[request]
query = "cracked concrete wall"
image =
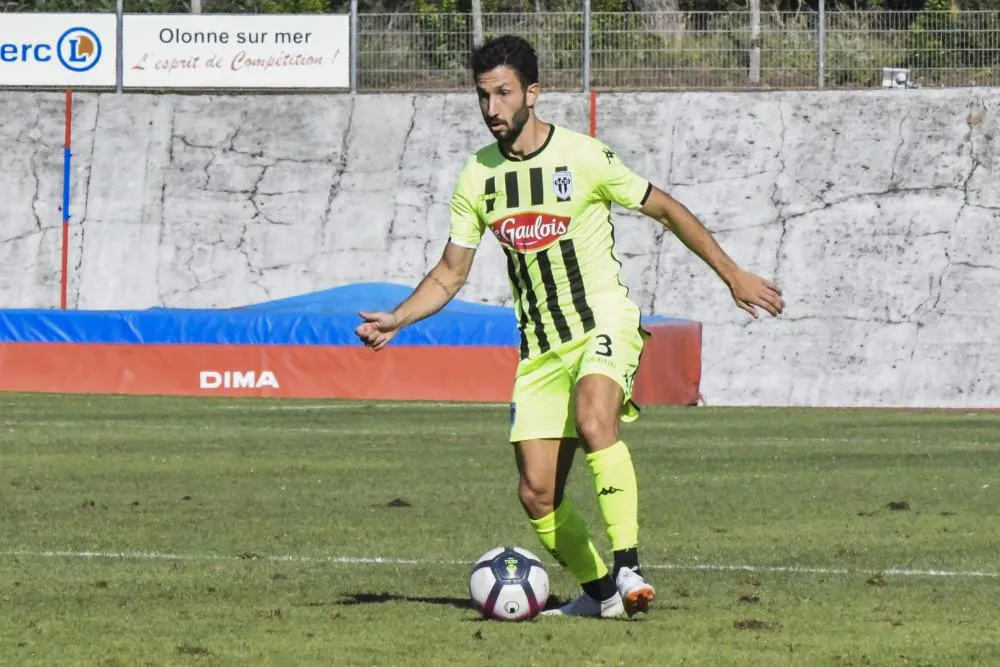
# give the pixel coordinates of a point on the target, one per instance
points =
(877, 211)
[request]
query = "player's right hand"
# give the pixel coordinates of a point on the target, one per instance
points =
(377, 329)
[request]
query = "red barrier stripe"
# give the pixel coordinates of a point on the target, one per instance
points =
(400, 373)
(670, 372)
(670, 368)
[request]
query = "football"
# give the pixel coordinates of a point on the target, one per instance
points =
(509, 584)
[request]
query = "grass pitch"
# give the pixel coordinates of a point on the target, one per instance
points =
(155, 531)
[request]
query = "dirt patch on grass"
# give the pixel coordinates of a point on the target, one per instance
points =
(755, 624)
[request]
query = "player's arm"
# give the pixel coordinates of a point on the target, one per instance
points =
(616, 182)
(447, 277)
(438, 287)
(433, 293)
(748, 290)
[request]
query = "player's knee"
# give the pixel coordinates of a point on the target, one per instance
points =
(537, 498)
(597, 430)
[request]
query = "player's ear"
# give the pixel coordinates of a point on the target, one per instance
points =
(532, 94)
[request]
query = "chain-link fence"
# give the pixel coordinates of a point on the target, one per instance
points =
(430, 51)
(692, 50)
(658, 50)
(702, 50)
(938, 48)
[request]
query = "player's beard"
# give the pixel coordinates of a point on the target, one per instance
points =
(517, 123)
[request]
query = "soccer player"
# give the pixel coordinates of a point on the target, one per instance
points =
(545, 193)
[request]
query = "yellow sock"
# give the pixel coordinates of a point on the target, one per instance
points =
(563, 533)
(617, 496)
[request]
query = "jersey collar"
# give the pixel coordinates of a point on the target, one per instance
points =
(552, 130)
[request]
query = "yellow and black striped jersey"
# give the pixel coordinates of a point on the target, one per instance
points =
(551, 213)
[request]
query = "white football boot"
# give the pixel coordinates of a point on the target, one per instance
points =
(636, 593)
(588, 607)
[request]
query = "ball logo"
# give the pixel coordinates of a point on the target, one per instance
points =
(79, 49)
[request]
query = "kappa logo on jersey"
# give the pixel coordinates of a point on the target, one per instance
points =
(529, 231)
(562, 184)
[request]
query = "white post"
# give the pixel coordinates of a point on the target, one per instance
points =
(821, 56)
(586, 46)
(119, 50)
(755, 42)
(354, 46)
(477, 23)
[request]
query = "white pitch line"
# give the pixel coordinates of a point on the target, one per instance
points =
(380, 560)
(796, 569)
(399, 405)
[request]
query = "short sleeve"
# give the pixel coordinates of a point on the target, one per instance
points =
(466, 226)
(615, 181)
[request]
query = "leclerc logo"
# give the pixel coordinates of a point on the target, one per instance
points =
(79, 49)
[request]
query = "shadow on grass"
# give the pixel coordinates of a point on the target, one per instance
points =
(351, 599)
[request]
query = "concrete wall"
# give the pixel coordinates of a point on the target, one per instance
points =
(878, 212)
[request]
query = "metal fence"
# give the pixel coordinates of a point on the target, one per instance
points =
(665, 50)
(692, 50)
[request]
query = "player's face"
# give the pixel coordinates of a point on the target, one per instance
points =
(505, 104)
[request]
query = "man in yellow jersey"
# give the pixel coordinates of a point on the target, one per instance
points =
(545, 193)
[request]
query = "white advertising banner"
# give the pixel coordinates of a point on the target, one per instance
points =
(236, 51)
(66, 50)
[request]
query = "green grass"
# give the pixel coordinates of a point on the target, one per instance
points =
(232, 518)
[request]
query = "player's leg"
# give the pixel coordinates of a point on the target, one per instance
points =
(543, 467)
(602, 391)
(543, 435)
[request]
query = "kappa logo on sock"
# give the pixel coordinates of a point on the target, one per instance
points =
(609, 490)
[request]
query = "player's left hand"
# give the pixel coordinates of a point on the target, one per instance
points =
(750, 290)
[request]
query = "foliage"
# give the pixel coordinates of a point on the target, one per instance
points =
(942, 37)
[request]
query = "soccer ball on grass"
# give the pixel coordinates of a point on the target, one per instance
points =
(509, 584)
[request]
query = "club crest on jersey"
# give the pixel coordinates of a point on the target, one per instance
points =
(562, 184)
(529, 231)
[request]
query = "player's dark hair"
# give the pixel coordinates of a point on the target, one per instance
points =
(510, 50)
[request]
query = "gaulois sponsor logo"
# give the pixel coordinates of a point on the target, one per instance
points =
(529, 230)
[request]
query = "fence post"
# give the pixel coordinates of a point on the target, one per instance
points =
(754, 42)
(119, 48)
(354, 46)
(821, 56)
(477, 23)
(586, 46)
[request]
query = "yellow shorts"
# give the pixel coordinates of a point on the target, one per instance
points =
(542, 402)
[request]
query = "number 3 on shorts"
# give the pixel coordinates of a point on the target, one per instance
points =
(605, 349)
